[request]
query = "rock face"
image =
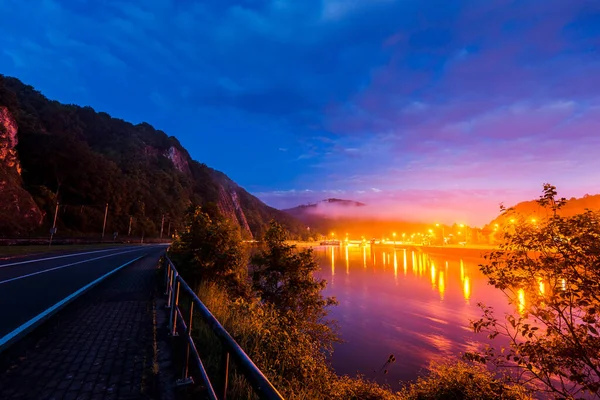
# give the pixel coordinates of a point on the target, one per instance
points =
(19, 214)
(8, 142)
(229, 205)
(179, 160)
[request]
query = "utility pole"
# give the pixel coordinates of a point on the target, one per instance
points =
(162, 224)
(104, 225)
(169, 228)
(53, 230)
(129, 231)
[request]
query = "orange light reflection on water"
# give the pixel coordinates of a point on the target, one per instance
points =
(395, 267)
(332, 265)
(347, 262)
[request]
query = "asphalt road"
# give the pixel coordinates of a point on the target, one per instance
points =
(32, 285)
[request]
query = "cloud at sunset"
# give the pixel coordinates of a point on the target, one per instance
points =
(447, 109)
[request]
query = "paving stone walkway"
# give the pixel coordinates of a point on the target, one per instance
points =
(108, 344)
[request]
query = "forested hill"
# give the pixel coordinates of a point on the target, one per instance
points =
(529, 210)
(85, 159)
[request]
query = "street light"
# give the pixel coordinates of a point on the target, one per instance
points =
(443, 234)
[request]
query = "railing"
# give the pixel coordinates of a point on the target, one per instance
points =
(175, 286)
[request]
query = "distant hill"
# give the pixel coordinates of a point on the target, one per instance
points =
(85, 159)
(322, 216)
(532, 210)
(340, 216)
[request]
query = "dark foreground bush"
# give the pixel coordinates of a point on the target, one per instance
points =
(461, 381)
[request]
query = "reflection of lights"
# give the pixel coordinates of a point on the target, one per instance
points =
(521, 294)
(347, 262)
(432, 275)
(332, 265)
(462, 271)
(441, 285)
(564, 284)
(384, 261)
(414, 263)
(365, 257)
(395, 267)
(467, 288)
(405, 266)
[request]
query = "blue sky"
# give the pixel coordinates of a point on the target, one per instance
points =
(434, 108)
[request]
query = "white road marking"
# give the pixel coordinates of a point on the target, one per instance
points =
(64, 266)
(57, 257)
(8, 337)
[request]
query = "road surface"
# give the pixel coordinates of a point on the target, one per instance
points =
(30, 287)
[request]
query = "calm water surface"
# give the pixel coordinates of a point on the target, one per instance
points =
(402, 302)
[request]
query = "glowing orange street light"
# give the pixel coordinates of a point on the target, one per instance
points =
(443, 234)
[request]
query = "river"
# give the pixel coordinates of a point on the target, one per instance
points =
(405, 302)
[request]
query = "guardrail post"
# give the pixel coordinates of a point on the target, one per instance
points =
(174, 307)
(226, 380)
(168, 283)
(189, 336)
(167, 276)
(186, 379)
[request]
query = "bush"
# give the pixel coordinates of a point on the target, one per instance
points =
(462, 381)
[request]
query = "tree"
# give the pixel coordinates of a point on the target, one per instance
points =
(210, 249)
(283, 277)
(551, 270)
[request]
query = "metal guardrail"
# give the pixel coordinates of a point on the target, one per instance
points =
(175, 286)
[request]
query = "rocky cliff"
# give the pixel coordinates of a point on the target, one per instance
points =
(18, 212)
(86, 159)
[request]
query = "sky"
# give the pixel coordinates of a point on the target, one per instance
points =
(435, 110)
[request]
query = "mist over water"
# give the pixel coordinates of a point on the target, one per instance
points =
(402, 302)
